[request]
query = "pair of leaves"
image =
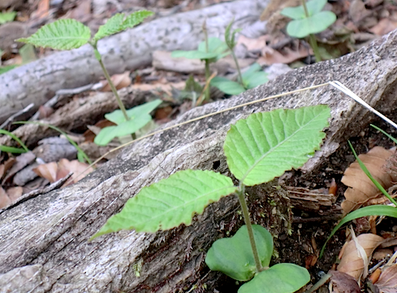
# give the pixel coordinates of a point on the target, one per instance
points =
(251, 79)
(233, 257)
(258, 149)
(67, 34)
(316, 21)
(216, 50)
(139, 117)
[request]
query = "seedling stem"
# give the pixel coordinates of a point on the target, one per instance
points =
(243, 203)
(312, 38)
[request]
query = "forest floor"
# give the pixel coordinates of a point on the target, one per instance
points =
(358, 23)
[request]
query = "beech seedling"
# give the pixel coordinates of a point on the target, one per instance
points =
(67, 34)
(258, 149)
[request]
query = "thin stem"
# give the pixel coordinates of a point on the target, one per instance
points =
(240, 77)
(207, 76)
(244, 208)
(121, 105)
(313, 44)
(312, 38)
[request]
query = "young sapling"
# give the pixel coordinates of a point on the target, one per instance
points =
(308, 19)
(67, 34)
(258, 149)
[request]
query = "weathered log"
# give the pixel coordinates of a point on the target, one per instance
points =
(44, 242)
(37, 82)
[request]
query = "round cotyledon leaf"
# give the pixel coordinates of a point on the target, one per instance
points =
(233, 256)
(170, 202)
(312, 25)
(280, 278)
(265, 145)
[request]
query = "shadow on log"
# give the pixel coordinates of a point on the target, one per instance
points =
(44, 242)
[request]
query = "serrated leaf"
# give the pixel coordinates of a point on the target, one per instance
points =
(233, 256)
(117, 23)
(136, 18)
(112, 26)
(312, 25)
(227, 86)
(280, 278)
(7, 16)
(265, 145)
(170, 202)
(63, 34)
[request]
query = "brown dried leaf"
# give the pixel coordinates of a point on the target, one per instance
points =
(383, 27)
(14, 193)
(6, 166)
(4, 199)
(119, 80)
(65, 167)
(387, 283)
(351, 261)
(271, 56)
(344, 282)
(47, 171)
(361, 189)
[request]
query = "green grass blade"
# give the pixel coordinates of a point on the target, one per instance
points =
(376, 210)
(12, 150)
(63, 34)
(365, 170)
(82, 153)
(265, 145)
(14, 137)
(385, 133)
(170, 202)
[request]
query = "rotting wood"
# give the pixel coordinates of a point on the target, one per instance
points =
(47, 236)
(37, 81)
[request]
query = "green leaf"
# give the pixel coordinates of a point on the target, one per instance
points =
(233, 256)
(27, 53)
(63, 34)
(133, 113)
(117, 23)
(298, 12)
(280, 278)
(135, 18)
(255, 79)
(216, 50)
(112, 26)
(312, 25)
(227, 86)
(375, 210)
(7, 16)
(251, 70)
(4, 69)
(127, 127)
(265, 145)
(170, 202)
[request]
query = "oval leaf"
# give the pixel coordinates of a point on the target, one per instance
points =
(311, 25)
(233, 256)
(227, 86)
(127, 127)
(280, 278)
(63, 34)
(170, 202)
(265, 145)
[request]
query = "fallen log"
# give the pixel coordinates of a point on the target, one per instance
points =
(37, 81)
(44, 241)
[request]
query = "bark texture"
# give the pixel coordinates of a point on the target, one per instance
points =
(37, 82)
(44, 245)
